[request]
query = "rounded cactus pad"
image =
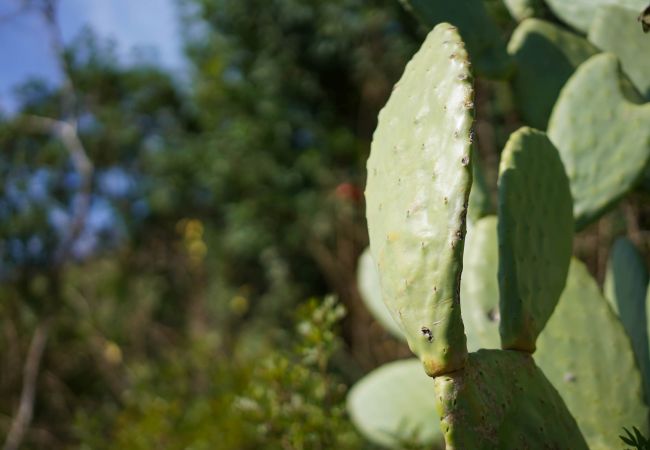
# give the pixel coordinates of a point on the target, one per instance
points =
(535, 236)
(580, 13)
(480, 204)
(626, 284)
(479, 291)
(617, 30)
(501, 400)
(524, 9)
(586, 354)
(370, 290)
(545, 55)
(419, 179)
(394, 404)
(602, 135)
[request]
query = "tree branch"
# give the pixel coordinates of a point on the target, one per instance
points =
(67, 133)
(23, 417)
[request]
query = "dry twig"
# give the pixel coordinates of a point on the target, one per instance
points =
(23, 417)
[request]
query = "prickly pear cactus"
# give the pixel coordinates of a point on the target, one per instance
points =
(370, 290)
(484, 42)
(580, 13)
(535, 236)
(395, 404)
(480, 204)
(545, 56)
(647, 319)
(581, 319)
(625, 288)
(500, 399)
(600, 384)
(479, 290)
(419, 177)
(524, 9)
(602, 135)
(503, 401)
(617, 30)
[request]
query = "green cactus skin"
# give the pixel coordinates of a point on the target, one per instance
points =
(603, 138)
(617, 30)
(545, 56)
(535, 236)
(395, 403)
(479, 32)
(600, 384)
(647, 319)
(625, 288)
(419, 178)
(524, 9)
(585, 352)
(480, 204)
(370, 290)
(479, 291)
(580, 13)
(501, 400)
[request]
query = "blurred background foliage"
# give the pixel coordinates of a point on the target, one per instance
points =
(164, 246)
(167, 251)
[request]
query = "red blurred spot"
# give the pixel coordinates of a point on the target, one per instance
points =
(349, 192)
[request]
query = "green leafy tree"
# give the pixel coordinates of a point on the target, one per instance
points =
(178, 215)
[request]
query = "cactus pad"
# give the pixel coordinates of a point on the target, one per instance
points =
(626, 284)
(535, 236)
(370, 290)
(545, 56)
(419, 178)
(479, 291)
(580, 13)
(480, 204)
(501, 400)
(617, 30)
(395, 403)
(586, 354)
(479, 32)
(524, 9)
(603, 137)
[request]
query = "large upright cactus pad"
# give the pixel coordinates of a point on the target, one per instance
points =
(484, 42)
(586, 354)
(535, 236)
(626, 284)
(479, 291)
(617, 30)
(603, 137)
(501, 400)
(580, 13)
(395, 404)
(545, 56)
(419, 178)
